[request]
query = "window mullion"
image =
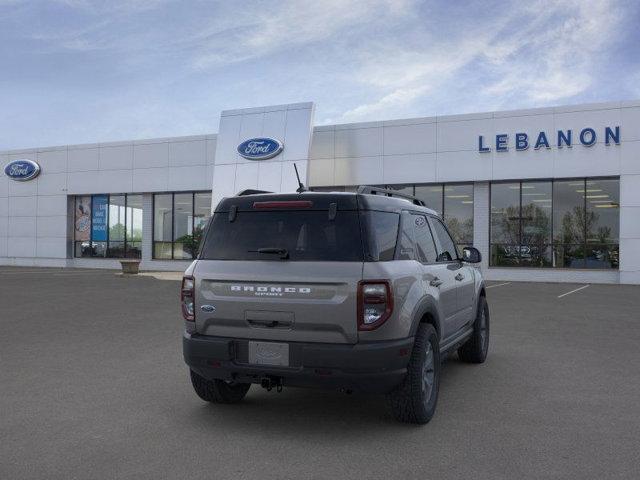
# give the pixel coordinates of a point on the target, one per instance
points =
(107, 216)
(193, 222)
(125, 225)
(520, 226)
(552, 240)
(173, 224)
(91, 226)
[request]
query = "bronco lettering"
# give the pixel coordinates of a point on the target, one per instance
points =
(269, 290)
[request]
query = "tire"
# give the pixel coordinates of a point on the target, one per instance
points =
(414, 401)
(218, 391)
(476, 348)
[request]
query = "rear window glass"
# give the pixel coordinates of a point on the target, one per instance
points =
(305, 235)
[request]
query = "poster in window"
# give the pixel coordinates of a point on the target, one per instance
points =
(83, 219)
(99, 218)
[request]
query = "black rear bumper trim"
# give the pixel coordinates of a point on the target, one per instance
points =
(368, 367)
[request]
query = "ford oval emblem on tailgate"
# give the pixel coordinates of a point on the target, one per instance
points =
(207, 308)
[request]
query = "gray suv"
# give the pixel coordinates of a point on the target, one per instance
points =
(357, 291)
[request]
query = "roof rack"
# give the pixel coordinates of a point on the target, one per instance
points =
(251, 191)
(366, 189)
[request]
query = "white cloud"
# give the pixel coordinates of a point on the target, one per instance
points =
(159, 68)
(543, 52)
(397, 98)
(260, 32)
(554, 63)
(405, 76)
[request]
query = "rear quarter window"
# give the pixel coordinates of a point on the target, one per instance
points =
(381, 234)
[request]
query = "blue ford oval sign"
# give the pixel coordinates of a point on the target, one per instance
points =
(260, 148)
(22, 170)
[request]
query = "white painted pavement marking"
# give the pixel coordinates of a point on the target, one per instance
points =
(57, 273)
(498, 285)
(573, 291)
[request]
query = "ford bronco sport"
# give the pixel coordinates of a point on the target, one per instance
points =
(357, 291)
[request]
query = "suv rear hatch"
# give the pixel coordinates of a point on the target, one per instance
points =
(281, 267)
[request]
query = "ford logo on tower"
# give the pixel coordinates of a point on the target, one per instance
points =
(260, 148)
(22, 170)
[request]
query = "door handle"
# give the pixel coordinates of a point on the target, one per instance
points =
(436, 282)
(459, 277)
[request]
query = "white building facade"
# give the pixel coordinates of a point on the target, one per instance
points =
(549, 194)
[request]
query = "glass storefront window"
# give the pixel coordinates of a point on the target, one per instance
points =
(183, 226)
(431, 195)
(564, 224)
(179, 221)
(569, 223)
(108, 226)
(134, 226)
(535, 229)
(603, 223)
(453, 202)
(117, 220)
(505, 224)
(201, 213)
(458, 213)
(162, 225)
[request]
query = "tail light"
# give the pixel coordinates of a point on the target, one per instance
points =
(375, 303)
(187, 296)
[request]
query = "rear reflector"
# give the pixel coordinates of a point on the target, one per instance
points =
(284, 204)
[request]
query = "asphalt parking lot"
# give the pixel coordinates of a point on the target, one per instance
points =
(93, 386)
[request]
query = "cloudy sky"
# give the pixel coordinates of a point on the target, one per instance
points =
(80, 71)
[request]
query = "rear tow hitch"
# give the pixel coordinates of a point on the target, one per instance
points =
(268, 383)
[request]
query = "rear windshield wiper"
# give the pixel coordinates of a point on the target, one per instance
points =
(283, 252)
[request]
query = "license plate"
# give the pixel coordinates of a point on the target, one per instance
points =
(269, 353)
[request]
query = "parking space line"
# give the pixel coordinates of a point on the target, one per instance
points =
(22, 273)
(70, 274)
(55, 273)
(498, 285)
(573, 291)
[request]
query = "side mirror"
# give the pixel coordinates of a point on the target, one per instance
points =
(471, 255)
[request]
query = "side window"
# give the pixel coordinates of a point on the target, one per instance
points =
(446, 247)
(406, 241)
(424, 241)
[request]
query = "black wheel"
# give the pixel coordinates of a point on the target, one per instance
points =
(414, 401)
(218, 391)
(476, 348)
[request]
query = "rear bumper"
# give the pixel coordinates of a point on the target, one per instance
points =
(375, 367)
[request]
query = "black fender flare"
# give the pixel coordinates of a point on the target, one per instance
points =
(426, 306)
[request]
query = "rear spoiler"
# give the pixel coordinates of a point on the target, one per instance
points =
(251, 191)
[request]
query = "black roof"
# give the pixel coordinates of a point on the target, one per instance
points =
(322, 201)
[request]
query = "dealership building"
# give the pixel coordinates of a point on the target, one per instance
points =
(548, 194)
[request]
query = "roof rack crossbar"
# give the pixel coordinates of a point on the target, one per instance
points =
(368, 190)
(251, 191)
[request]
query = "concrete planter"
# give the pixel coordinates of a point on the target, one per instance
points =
(130, 266)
